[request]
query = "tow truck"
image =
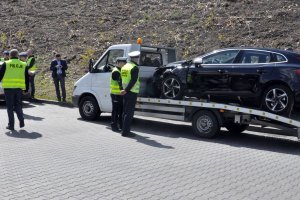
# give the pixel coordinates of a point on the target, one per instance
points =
(91, 94)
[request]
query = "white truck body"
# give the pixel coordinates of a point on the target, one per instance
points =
(96, 83)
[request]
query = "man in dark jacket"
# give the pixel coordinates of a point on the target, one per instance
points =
(58, 68)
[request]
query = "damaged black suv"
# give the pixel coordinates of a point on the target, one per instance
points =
(260, 77)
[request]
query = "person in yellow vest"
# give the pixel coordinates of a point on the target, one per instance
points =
(14, 77)
(131, 85)
(31, 64)
(115, 93)
(5, 56)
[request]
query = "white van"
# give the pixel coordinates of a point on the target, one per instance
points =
(92, 92)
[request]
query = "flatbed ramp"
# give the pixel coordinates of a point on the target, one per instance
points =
(208, 117)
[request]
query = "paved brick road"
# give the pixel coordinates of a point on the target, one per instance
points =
(59, 156)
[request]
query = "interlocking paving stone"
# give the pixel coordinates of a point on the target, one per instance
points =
(59, 156)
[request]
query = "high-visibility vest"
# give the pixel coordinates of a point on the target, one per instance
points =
(14, 76)
(126, 77)
(114, 85)
(34, 67)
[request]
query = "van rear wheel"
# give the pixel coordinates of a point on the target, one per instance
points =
(235, 128)
(205, 124)
(89, 109)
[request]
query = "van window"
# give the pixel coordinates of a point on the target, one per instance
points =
(151, 59)
(107, 62)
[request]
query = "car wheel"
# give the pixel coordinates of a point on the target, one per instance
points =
(172, 88)
(236, 128)
(205, 124)
(89, 109)
(278, 99)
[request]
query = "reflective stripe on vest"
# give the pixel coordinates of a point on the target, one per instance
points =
(14, 76)
(114, 85)
(34, 67)
(126, 77)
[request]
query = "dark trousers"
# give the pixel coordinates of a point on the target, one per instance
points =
(129, 101)
(60, 80)
(32, 86)
(117, 110)
(13, 98)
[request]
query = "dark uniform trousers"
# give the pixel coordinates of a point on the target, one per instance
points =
(129, 102)
(13, 98)
(117, 110)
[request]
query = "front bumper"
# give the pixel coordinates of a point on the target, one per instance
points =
(75, 100)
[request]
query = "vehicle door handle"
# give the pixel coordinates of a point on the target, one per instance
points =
(261, 71)
(222, 71)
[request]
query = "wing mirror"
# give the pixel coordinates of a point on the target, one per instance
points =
(198, 62)
(91, 64)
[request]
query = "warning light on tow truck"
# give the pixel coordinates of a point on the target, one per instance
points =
(139, 41)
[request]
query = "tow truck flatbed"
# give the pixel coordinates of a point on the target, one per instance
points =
(208, 117)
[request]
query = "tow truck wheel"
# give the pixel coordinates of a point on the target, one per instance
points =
(236, 128)
(205, 124)
(89, 109)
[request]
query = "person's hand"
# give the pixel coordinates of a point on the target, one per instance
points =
(123, 92)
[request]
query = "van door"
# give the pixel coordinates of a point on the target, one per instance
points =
(101, 78)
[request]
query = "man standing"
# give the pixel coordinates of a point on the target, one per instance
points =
(31, 64)
(5, 56)
(58, 68)
(115, 93)
(14, 77)
(131, 85)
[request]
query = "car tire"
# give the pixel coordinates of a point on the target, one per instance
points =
(172, 88)
(89, 109)
(278, 99)
(205, 124)
(235, 128)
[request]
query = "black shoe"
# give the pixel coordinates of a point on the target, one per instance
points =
(128, 134)
(10, 128)
(115, 129)
(22, 124)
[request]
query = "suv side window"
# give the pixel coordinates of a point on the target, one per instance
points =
(109, 59)
(252, 57)
(223, 57)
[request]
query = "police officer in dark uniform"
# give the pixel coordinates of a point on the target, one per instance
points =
(115, 93)
(14, 77)
(131, 85)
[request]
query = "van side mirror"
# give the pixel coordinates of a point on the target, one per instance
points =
(91, 64)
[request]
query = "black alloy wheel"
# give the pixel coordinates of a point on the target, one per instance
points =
(172, 88)
(278, 99)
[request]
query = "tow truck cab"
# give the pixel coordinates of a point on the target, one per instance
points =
(92, 92)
